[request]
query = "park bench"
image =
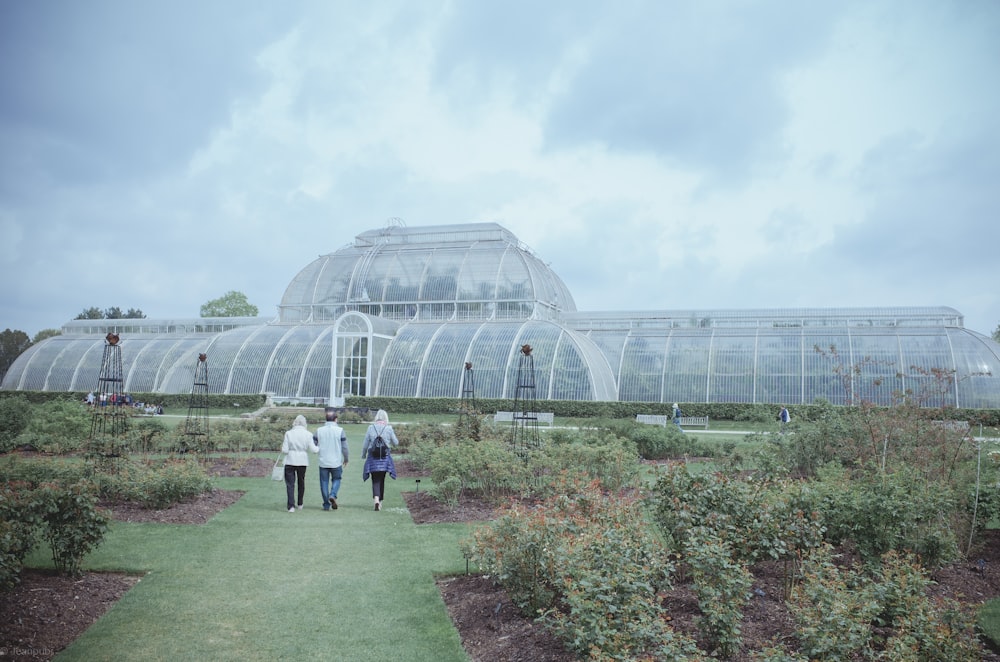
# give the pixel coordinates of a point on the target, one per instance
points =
(686, 421)
(954, 426)
(508, 417)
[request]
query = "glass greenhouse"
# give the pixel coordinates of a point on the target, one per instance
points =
(399, 312)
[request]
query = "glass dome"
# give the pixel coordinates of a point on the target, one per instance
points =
(438, 273)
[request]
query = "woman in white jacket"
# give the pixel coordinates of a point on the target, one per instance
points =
(297, 444)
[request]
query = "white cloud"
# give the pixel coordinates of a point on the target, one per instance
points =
(657, 154)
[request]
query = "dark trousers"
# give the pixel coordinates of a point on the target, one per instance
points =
(291, 472)
(378, 485)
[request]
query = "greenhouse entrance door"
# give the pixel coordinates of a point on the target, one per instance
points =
(351, 358)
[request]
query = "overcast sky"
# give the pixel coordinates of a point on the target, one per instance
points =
(658, 155)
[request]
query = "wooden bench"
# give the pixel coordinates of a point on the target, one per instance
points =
(508, 417)
(686, 421)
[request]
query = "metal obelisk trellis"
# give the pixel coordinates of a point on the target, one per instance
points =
(468, 415)
(468, 404)
(196, 425)
(524, 425)
(110, 415)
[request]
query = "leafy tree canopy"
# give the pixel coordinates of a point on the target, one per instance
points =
(113, 313)
(996, 333)
(90, 314)
(230, 304)
(12, 343)
(45, 334)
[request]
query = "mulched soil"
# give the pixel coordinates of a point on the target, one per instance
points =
(45, 612)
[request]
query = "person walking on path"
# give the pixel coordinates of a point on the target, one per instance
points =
(331, 444)
(296, 445)
(784, 417)
(377, 455)
(677, 417)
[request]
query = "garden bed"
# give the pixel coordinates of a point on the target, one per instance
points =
(46, 612)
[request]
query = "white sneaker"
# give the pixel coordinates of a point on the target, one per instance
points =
(300, 507)
(291, 510)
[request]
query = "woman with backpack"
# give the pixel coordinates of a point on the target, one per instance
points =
(378, 458)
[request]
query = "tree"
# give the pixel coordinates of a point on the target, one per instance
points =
(112, 313)
(90, 314)
(996, 333)
(12, 343)
(230, 304)
(45, 334)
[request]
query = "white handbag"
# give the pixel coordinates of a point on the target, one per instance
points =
(278, 471)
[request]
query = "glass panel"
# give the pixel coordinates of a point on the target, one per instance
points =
(779, 367)
(732, 362)
(400, 370)
(570, 375)
(687, 368)
(445, 363)
(826, 361)
(643, 364)
(490, 352)
(877, 356)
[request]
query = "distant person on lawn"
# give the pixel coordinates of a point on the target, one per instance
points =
(297, 444)
(378, 460)
(331, 443)
(784, 417)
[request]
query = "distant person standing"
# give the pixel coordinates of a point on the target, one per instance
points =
(677, 417)
(298, 441)
(378, 458)
(784, 418)
(331, 443)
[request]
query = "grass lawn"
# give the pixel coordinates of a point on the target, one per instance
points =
(259, 583)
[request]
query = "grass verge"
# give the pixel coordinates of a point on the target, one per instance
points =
(259, 583)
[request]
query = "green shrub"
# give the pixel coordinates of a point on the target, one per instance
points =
(655, 442)
(71, 523)
(448, 491)
(38, 470)
(833, 609)
(610, 459)
(15, 414)
(922, 628)
(57, 426)
(155, 484)
(489, 467)
(988, 622)
(17, 531)
(145, 435)
(882, 513)
(581, 562)
(722, 585)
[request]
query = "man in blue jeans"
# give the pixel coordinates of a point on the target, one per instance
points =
(331, 443)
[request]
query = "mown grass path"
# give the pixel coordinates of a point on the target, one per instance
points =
(259, 583)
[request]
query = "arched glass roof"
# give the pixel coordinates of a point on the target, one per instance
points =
(428, 360)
